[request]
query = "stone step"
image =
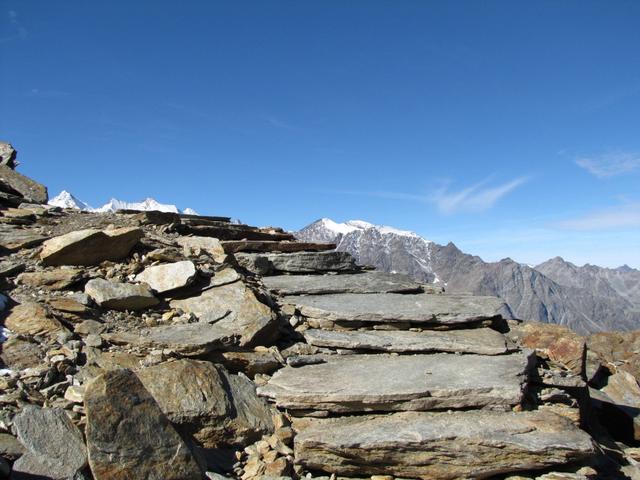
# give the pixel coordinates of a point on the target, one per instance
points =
(235, 246)
(365, 383)
(231, 231)
(439, 446)
(424, 309)
(484, 341)
(299, 262)
(365, 282)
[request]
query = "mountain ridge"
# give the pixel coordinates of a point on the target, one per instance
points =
(66, 199)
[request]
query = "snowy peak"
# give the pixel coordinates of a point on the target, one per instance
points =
(361, 225)
(66, 200)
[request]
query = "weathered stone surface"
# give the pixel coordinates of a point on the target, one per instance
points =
(89, 247)
(235, 246)
(10, 447)
(243, 313)
(16, 238)
(357, 383)
(170, 276)
(473, 444)
(623, 390)
(7, 155)
(128, 436)
(33, 319)
(18, 354)
(483, 341)
(14, 183)
(207, 402)
(57, 279)
(391, 307)
(617, 348)
(195, 246)
(190, 339)
(557, 342)
(120, 296)
(366, 282)
(300, 262)
(54, 445)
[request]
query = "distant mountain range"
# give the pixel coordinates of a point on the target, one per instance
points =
(66, 200)
(586, 299)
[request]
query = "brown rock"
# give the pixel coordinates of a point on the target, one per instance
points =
(19, 354)
(16, 238)
(57, 279)
(32, 318)
(14, 183)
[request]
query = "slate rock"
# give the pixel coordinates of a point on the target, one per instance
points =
(16, 238)
(13, 182)
(361, 383)
(299, 262)
(195, 246)
(19, 354)
(120, 296)
(170, 276)
(425, 309)
(8, 155)
(472, 444)
(624, 392)
(31, 318)
(366, 282)
(54, 447)
(57, 279)
(484, 341)
(10, 447)
(128, 436)
(236, 304)
(205, 401)
(235, 246)
(90, 247)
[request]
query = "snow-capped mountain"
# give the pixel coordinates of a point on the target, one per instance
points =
(533, 293)
(66, 200)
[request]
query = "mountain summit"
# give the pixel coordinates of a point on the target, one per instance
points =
(67, 200)
(587, 299)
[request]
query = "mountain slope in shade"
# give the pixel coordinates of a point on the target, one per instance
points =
(530, 294)
(66, 200)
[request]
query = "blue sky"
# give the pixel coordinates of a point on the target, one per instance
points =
(509, 128)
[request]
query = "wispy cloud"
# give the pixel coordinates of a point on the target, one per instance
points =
(18, 31)
(610, 164)
(476, 198)
(622, 217)
(278, 123)
(36, 92)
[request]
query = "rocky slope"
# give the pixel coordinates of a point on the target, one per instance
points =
(153, 345)
(530, 293)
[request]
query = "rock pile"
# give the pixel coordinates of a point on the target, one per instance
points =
(147, 345)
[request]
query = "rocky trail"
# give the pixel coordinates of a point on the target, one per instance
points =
(151, 345)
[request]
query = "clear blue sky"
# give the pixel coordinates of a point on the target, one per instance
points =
(509, 128)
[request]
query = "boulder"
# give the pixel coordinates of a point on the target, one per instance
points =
(366, 282)
(90, 247)
(8, 155)
(299, 262)
(31, 318)
(16, 238)
(425, 309)
(241, 312)
(128, 436)
(439, 446)
(56, 279)
(365, 383)
(623, 394)
(205, 401)
(483, 341)
(195, 246)
(120, 296)
(168, 277)
(14, 183)
(54, 447)
(19, 354)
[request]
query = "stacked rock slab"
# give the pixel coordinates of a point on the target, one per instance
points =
(408, 383)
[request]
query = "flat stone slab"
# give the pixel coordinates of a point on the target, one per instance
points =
(484, 341)
(299, 262)
(170, 276)
(364, 383)
(473, 444)
(368, 282)
(235, 246)
(392, 307)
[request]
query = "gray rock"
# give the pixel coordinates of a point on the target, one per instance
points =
(56, 279)
(89, 247)
(237, 305)
(299, 262)
(14, 183)
(195, 246)
(391, 307)
(360, 383)
(483, 341)
(10, 447)
(205, 401)
(473, 444)
(54, 447)
(366, 282)
(170, 276)
(120, 296)
(128, 436)
(8, 155)
(16, 238)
